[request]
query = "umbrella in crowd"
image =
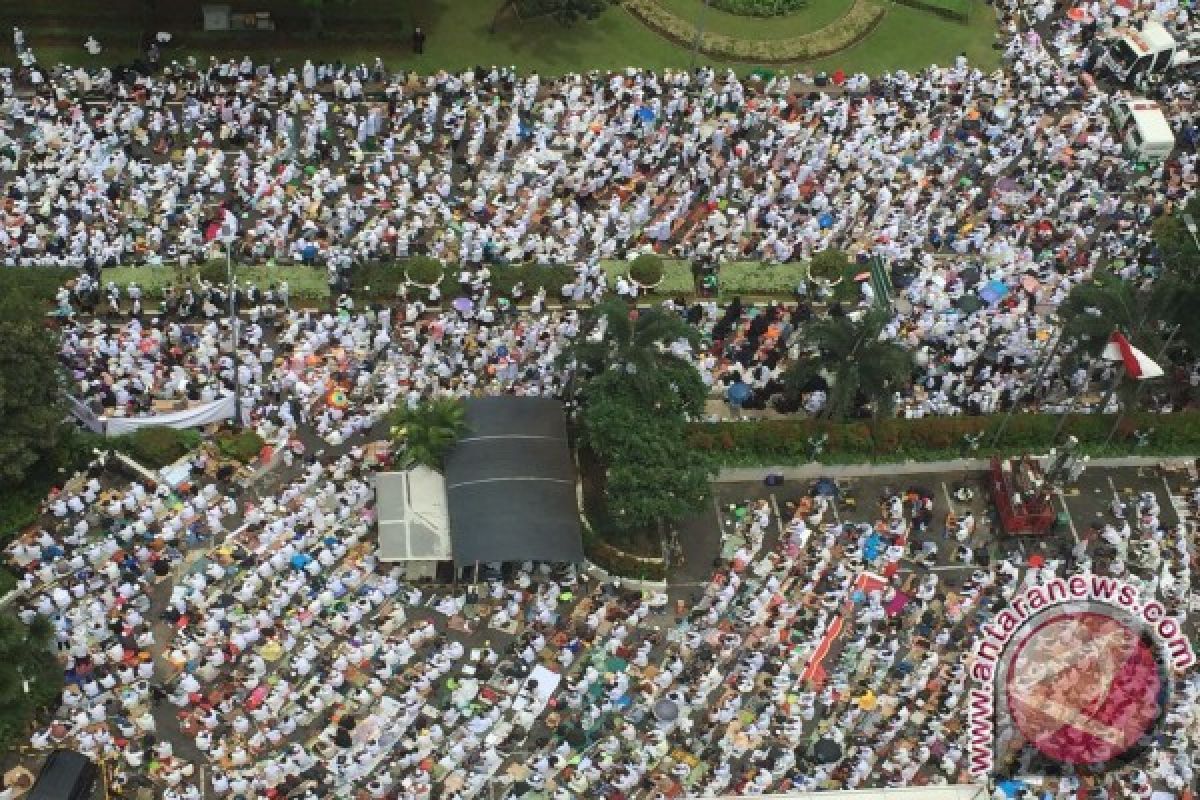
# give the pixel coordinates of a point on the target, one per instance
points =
(827, 751)
(825, 487)
(738, 393)
(666, 710)
(337, 398)
(969, 303)
(463, 304)
(993, 292)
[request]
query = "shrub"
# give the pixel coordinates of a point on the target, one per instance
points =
(216, 272)
(828, 265)
(241, 446)
(157, 446)
(424, 270)
(787, 441)
(646, 269)
(760, 8)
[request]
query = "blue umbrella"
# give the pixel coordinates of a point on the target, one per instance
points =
(645, 114)
(463, 304)
(738, 393)
(994, 292)
(1011, 788)
(871, 549)
(310, 251)
(825, 220)
(827, 487)
(301, 560)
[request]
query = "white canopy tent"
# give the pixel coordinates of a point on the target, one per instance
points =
(414, 526)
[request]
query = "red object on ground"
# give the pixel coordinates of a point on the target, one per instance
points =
(1023, 509)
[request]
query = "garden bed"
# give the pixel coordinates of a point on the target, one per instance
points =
(780, 442)
(838, 35)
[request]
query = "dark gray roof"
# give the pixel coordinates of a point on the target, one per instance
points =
(510, 484)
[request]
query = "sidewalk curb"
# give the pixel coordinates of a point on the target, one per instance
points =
(818, 470)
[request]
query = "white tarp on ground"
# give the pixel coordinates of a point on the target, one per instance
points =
(541, 685)
(193, 417)
(962, 792)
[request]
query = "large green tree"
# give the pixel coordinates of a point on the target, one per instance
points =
(31, 397)
(636, 344)
(652, 477)
(30, 676)
(427, 432)
(860, 366)
(1177, 248)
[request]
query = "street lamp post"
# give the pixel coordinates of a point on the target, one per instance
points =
(233, 327)
(1192, 228)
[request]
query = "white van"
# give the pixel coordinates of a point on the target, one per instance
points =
(1143, 129)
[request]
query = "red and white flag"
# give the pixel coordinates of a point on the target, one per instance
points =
(1138, 365)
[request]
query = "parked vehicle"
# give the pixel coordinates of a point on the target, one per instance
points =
(1143, 129)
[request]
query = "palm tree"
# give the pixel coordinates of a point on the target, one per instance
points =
(1143, 314)
(428, 431)
(611, 338)
(1092, 311)
(857, 362)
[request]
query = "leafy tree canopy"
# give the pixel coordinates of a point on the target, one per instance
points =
(860, 365)
(30, 676)
(428, 431)
(1177, 249)
(32, 405)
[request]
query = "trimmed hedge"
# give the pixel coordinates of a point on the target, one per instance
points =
(771, 442)
(760, 8)
(838, 35)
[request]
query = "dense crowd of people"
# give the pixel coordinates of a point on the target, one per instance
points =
(259, 636)
(245, 641)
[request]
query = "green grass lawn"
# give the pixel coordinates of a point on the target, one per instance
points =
(677, 276)
(302, 281)
(459, 36)
(755, 278)
(817, 14)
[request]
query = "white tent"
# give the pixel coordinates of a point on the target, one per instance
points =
(414, 527)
